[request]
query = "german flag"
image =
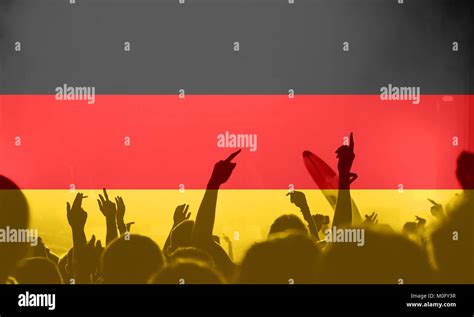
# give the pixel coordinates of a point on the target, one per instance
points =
(143, 97)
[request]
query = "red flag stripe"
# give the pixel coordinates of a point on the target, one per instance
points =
(50, 144)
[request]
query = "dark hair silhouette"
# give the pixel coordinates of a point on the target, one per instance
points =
(14, 213)
(288, 223)
(465, 170)
(131, 261)
(181, 235)
(283, 259)
(386, 258)
(37, 270)
(187, 272)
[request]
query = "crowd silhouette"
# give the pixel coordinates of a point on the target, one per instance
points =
(295, 251)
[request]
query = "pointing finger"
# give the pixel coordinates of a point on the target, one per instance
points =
(232, 156)
(351, 142)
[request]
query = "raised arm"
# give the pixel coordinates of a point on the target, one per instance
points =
(120, 215)
(77, 217)
(180, 214)
(121, 225)
(299, 199)
(343, 211)
(230, 247)
(109, 210)
(207, 210)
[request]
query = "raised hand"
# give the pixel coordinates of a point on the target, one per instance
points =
(343, 210)
(76, 216)
(222, 171)
(129, 225)
(106, 206)
(120, 208)
(180, 214)
(320, 220)
(109, 210)
(299, 199)
(204, 225)
(120, 215)
(371, 219)
(420, 222)
(345, 154)
(437, 210)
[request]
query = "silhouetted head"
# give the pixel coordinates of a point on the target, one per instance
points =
(382, 258)
(131, 261)
(282, 259)
(288, 223)
(191, 253)
(465, 170)
(187, 272)
(38, 270)
(14, 214)
(181, 235)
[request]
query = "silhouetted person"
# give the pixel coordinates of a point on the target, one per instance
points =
(282, 259)
(14, 213)
(288, 223)
(299, 199)
(182, 235)
(465, 170)
(121, 225)
(453, 240)
(343, 210)
(37, 270)
(131, 261)
(385, 258)
(188, 272)
(202, 233)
